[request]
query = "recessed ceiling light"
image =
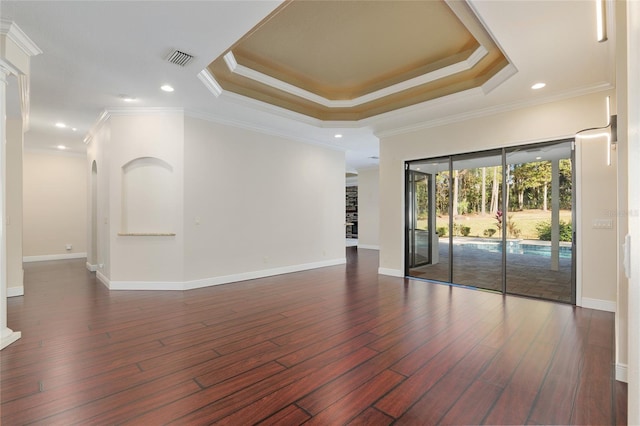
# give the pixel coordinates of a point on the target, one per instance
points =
(337, 136)
(538, 86)
(61, 147)
(127, 98)
(417, 168)
(538, 158)
(61, 125)
(166, 88)
(74, 129)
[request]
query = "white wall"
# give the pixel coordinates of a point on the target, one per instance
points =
(260, 204)
(228, 204)
(54, 204)
(97, 152)
(15, 272)
(369, 208)
(145, 258)
(545, 122)
(629, 69)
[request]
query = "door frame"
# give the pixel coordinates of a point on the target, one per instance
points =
(503, 152)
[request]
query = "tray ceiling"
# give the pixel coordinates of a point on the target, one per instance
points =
(349, 60)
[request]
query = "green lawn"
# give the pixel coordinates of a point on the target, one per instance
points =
(525, 220)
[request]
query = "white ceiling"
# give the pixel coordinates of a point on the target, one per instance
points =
(96, 51)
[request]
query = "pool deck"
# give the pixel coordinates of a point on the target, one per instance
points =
(527, 274)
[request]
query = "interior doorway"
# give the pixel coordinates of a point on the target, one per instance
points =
(499, 220)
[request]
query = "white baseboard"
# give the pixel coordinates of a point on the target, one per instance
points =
(91, 268)
(15, 291)
(63, 256)
(8, 337)
(368, 247)
(621, 373)
(391, 272)
(207, 282)
(598, 304)
(102, 278)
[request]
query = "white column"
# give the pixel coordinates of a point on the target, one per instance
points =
(7, 336)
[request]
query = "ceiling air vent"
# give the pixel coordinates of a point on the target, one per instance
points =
(179, 58)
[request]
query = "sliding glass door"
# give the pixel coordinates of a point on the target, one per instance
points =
(427, 198)
(497, 220)
(539, 222)
(477, 243)
(419, 186)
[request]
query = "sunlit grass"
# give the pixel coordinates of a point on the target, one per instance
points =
(526, 221)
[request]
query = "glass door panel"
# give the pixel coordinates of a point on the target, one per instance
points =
(539, 218)
(427, 201)
(419, 245)
(475, 221)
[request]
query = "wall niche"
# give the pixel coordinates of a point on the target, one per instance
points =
(148, 198)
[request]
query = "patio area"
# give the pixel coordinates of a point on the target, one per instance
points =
(529, 270)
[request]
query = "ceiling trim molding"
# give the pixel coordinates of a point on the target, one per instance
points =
(286, 113)
(16, 35)
(483, 112)
(271, 109)
(101, 121)
(123, 111)
(275, 83)
(7, 68)
(143, 110)
(259, 129)
(54, 151)
(210, 82)
(500, 77)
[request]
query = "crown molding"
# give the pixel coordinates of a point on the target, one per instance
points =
(117, 111)
(124, 111)
(259, 129)
(483, 112)
(466, 64)
(13, 32)
(210, 82)
(500, 77)
(271, 109)
(5, 69)
(101, 121)
(54, 151)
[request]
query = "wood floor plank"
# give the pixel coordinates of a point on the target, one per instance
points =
(558, 390)
(275, 401)
(371, 417)
(473, 405)
(334, 345)
(434, 404)
(357, 401)
(411, 390)
(180, 407)
(290, 416)
(224, 398)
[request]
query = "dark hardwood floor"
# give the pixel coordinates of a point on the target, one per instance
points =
(338, 345)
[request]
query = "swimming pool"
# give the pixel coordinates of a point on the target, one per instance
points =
(517, 247)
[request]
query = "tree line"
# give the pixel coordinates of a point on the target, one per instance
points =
(478, 191)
